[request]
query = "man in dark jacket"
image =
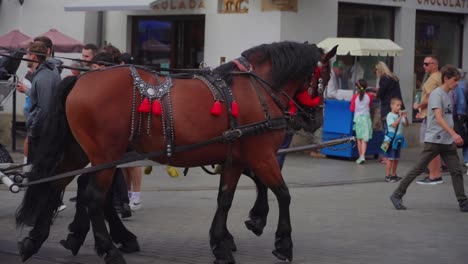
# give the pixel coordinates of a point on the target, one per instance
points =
(44, 83)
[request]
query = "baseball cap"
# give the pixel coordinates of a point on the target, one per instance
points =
(338, 64)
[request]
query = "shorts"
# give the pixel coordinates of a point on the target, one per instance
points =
(394, 154)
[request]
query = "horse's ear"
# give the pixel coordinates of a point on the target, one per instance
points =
(331, 53)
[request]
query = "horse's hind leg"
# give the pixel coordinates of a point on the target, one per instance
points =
(31, 244)
(259, 212)
(79, 228)
(270, 174)
(221, 241)
(118, 232)
(96, 197)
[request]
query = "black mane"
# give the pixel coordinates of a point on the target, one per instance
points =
(289, 60)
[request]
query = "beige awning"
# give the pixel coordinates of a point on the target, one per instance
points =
(110, 5)
(362, 46)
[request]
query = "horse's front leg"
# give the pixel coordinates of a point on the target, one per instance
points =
(96, 194)
(221, 241)
(270, 174)
(259, 212)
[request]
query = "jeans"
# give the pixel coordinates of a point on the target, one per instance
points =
(281, 157)
(449, 155)
(465, 154)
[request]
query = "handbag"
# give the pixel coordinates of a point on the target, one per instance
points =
(387, 142)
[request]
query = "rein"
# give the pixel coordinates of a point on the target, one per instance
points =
(227, 136)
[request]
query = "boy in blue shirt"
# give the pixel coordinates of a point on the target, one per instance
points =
(396, 119)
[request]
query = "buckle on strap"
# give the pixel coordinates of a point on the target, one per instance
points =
(232, 134)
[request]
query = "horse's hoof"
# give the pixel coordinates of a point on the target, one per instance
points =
(72, 243)
(221, 261)
(283, 249)
(223, 254)
(279, 254)
(231, 244)
(27, 248)
(255, 225)
(130, 246)
(114, 257)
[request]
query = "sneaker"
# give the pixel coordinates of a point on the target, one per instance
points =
(360, 160)
(388, 178)
(135, 205)
(61, 208)
(464, 206)
(429, 181)
(397, 202)
(394, 178)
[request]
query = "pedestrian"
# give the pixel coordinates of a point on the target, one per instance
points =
(389, 87)
(459, 97)
(396, 119)
(434, 79)
(439, 139)
(24, 86)
(87, 54)
(360, 106)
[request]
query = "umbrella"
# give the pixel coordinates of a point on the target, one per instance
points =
(12, 39)
(62, 42)
(362, 46)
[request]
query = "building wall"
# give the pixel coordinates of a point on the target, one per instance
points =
(228, 35)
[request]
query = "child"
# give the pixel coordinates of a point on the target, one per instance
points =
(360, 105)
(396, 119)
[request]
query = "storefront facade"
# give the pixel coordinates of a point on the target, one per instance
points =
(182, 33)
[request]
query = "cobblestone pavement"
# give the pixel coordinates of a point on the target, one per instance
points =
(340, 213)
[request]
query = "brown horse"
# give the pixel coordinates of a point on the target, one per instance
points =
(110, 111)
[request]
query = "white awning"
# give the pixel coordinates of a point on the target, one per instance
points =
(362, 46)
(110, 5)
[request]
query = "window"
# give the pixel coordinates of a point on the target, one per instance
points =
(169, 41)
(365, 21)
(437, 34)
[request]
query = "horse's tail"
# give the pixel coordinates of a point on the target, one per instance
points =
(49, 151)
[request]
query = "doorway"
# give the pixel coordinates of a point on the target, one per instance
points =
(168, 41)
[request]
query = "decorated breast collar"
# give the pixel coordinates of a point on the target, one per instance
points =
(148, 90)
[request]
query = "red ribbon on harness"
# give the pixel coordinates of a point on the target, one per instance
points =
(305, 99)
(292, 108)
(144, 106)
(216, 109)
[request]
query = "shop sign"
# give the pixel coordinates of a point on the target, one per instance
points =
(178, 4)
(445, 3)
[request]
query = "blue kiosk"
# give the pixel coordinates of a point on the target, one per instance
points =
(338, 123)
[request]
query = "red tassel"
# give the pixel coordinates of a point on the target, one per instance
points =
(157, 110)
(144, 106)
(235, 109)
(216, 109)
(315, 101)
(292, 108)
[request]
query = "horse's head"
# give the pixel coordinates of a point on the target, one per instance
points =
(321, 76)
(292, 67)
